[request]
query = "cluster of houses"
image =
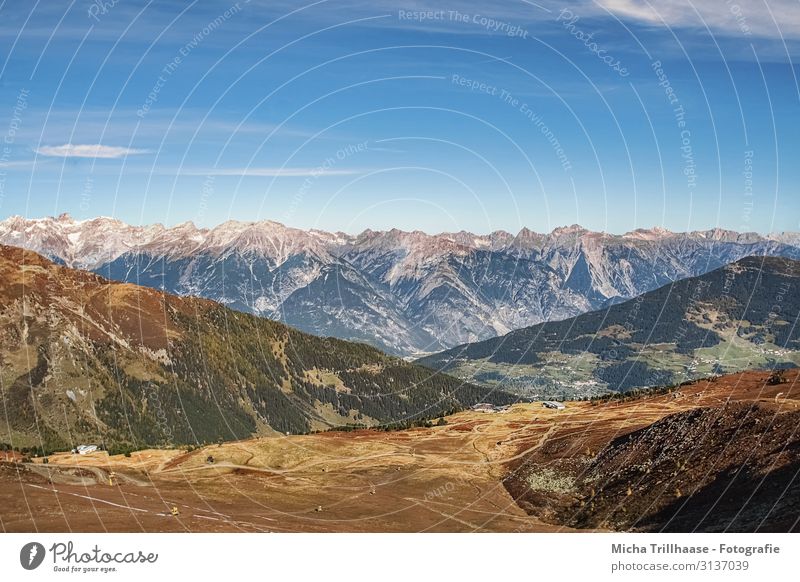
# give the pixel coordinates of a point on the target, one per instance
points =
(486, 407)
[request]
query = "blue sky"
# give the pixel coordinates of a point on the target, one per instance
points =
(438, 116)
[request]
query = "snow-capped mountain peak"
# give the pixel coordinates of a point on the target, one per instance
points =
(406, 292)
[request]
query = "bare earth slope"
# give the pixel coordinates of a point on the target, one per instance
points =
(723, 456)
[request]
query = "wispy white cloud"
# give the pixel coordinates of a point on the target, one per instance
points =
(88, 151)
(767, 18)
(121, 125)
(18, 164)
(269, 172)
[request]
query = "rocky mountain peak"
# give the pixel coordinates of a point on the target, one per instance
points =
(405, 292)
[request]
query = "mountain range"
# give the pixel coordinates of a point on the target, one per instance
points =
(741, 316)
(407, 293)
(85, 359)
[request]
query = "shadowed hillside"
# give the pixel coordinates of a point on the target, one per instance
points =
(726, 457)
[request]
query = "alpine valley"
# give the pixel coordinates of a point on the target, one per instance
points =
(741, 316)
(85, 359)
(407, 293)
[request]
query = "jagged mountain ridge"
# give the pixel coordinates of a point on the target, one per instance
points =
(85, 359)
(405, 292)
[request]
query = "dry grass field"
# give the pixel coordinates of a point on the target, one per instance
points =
(446, 478)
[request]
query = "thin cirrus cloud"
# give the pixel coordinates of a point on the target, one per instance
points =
(768, 19)
(269, 172)
(88, 151)
(773, 19)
